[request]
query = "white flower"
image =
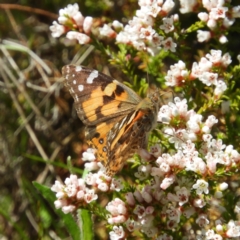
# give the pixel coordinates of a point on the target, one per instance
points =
(218, 12)
(107, 31)
(238, 57)
(209, 78)
(212, 23)
(164, 237)
(131, 225)
(91, 166)
(68, 209)
(199, 203)
(226, 59)
(88, 155)
(176, 74)
(151, 10)
(143, 172)
(201, 186)
(182, 195)
(117, 25)
(173, 213)
(87, 24)
(57, 186)
(117, 233)
(71, 11)
(118, 211)
(90, 195)
(233, 229)
(168, 44)
(167, 181)
(209, 4)
(211, 235)
(220, 88)
(202, 220)
(203, 36)
(116, 185)
(211, 120)
(215, 56)
(223, 39)
(147, 33)
(81, 37)
(168, 6)
(150, 231)
(56, 29)
(167, 25)
(236, 12)
(203, 16)
(187, 6)
(156, 150)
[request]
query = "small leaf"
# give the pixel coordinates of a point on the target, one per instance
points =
(85, 224)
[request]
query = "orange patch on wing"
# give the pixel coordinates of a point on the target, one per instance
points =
(139, 115)
(90, 105)
(123, 97)
(110, 88)
(110, 108)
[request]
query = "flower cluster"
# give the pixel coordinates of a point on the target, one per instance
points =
(143, 32)
(209, 71)
(151, 205)
(73, 23)
(186, 131)
(76, 193)
(140, 32)
(219, 15)
(73, 195)
(171, 191)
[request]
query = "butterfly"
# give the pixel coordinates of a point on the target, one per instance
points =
(117, 120)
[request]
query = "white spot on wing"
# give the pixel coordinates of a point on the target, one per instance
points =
(74, 81)
(80, 88)
(78, 69)
(93, 74)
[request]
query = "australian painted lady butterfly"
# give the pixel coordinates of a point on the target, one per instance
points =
(117, 120)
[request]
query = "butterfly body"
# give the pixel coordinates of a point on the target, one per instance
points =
(117, 120)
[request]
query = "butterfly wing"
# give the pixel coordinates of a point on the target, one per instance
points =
(101, 103)
(97, 96)
(130, 135)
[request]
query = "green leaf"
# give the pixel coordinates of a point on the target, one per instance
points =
(85, 224)
(196, 26)
(67, 219)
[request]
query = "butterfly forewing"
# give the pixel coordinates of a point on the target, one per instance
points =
(97, 96)
(117, 119)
